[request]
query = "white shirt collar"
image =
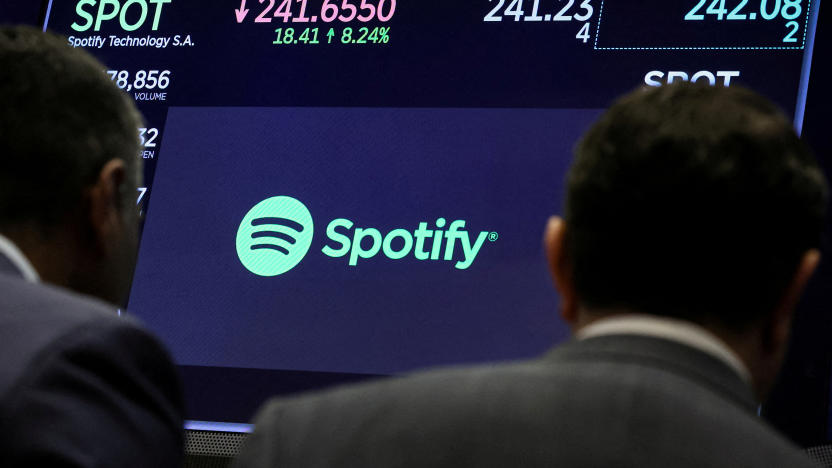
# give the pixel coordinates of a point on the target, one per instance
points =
(18, 259)
(680, 331)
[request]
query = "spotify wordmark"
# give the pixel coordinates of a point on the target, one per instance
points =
(276, 234)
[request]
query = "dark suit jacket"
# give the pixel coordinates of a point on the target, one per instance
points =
(613, 401)
(81, 386)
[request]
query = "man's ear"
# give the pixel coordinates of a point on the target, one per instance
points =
(560, 267)
(781, 318)
(106, 197)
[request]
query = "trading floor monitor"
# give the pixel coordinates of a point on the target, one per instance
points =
(338, 190)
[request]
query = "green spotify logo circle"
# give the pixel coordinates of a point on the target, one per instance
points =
(274, 236)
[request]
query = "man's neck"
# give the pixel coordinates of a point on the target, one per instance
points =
(49, 257)
(18, 259)
(680, 331)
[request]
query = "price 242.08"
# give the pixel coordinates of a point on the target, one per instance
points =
(788, 10)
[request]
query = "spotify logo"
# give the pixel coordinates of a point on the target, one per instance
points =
(274, 236)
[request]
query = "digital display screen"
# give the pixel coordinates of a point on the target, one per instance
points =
(337, 189)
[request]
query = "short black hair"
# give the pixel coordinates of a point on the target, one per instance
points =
(694, 202)
(61, 120)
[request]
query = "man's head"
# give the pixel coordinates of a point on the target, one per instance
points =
(68, 166)
(694, 202)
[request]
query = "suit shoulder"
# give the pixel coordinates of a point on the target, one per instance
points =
(502, 414)
(71, 373)
(23, 300)
(39, 320)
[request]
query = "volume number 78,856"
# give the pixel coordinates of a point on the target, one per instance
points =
(142, 79)
(572, 10)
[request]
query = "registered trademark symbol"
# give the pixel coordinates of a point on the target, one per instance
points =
(493, 236)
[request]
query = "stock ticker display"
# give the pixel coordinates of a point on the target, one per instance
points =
(360, 186)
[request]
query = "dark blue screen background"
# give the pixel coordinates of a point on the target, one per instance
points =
(500, 170)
